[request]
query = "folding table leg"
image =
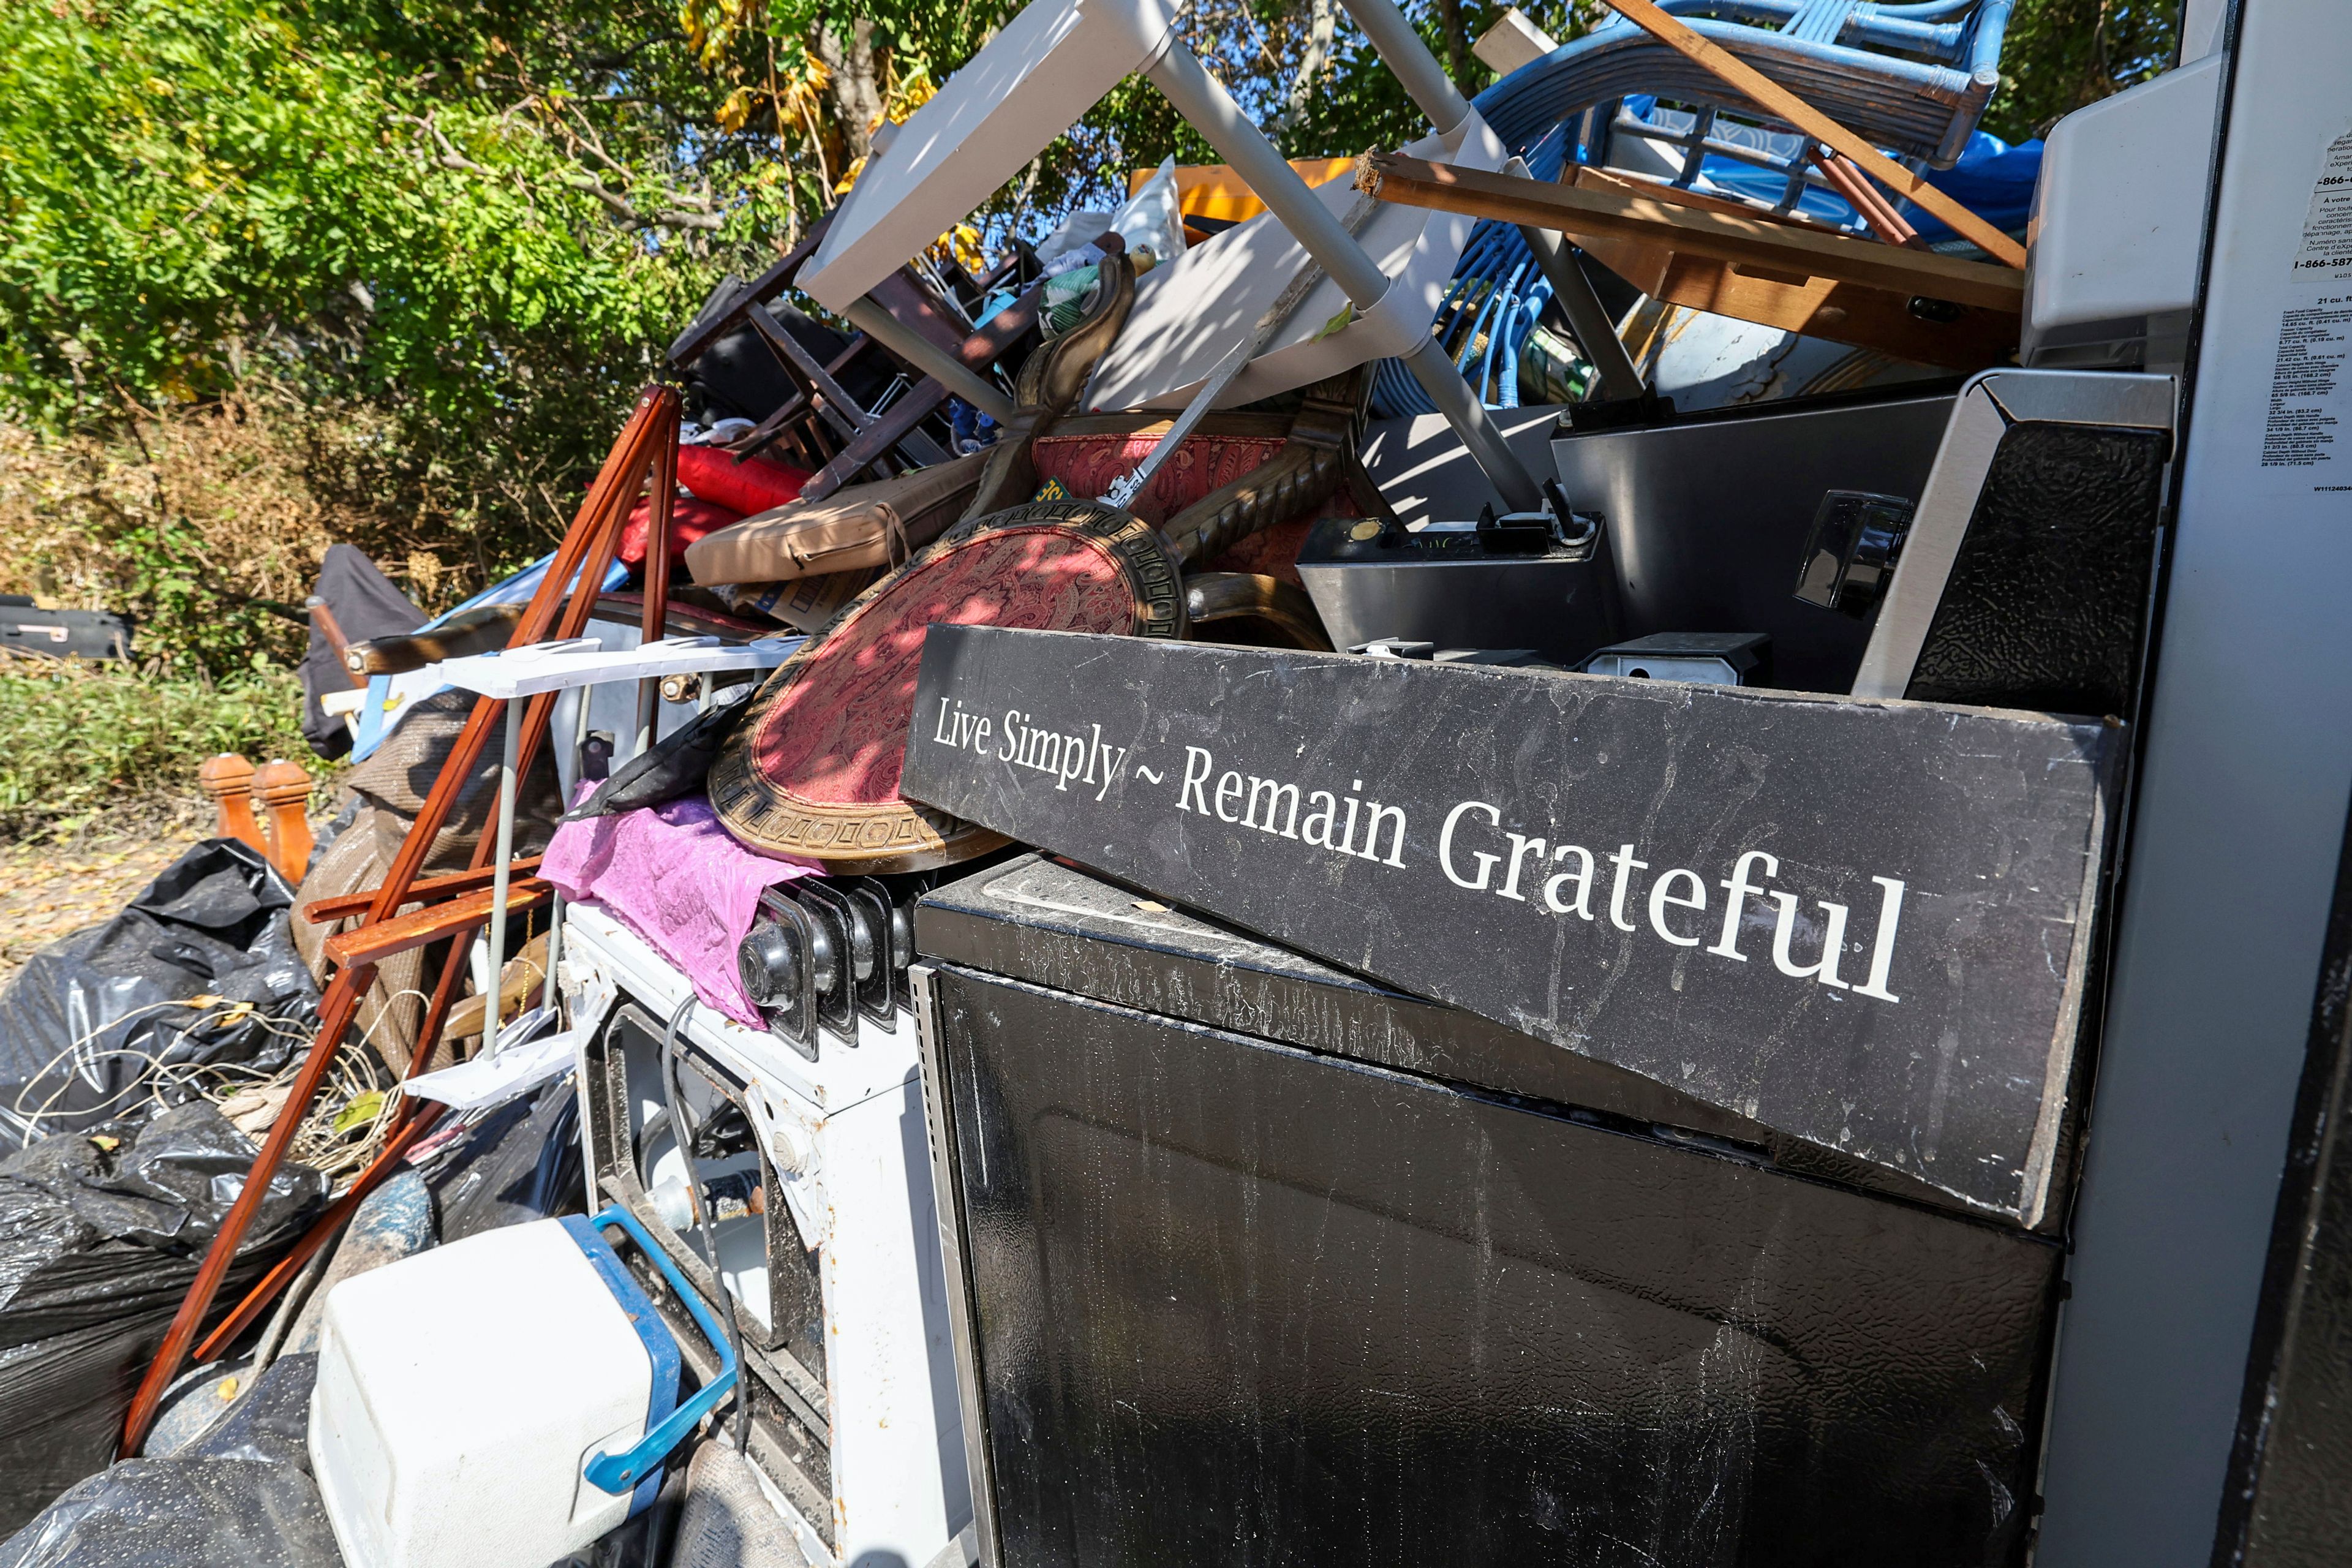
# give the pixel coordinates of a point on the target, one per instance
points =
(500, 868)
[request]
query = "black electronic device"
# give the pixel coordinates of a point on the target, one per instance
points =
(1707, 516)
(1533, 579)
(1256, 1262)
(1856, 539)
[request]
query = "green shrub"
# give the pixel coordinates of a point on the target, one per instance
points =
(78, 739)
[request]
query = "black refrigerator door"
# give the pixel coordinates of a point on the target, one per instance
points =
(1237, 1303)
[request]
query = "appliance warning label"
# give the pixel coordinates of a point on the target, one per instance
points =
(2307, 383)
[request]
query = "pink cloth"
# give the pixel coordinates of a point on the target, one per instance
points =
(672, 874)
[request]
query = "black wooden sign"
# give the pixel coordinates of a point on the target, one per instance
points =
(1866, 924)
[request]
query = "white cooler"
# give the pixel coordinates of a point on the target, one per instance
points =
(499, 1402)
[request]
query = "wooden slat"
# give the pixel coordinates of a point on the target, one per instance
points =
(797, 405)
(1782, 248)
(1973, 338)
(920, 311)
(652, 617)
(342, 905)
(980, 350)
(700, 335)
(1774, 99)
(403, 933)
(832, 401)
(1585, 178)
(875, 440)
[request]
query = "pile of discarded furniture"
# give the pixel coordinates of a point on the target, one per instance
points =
(1262, 887)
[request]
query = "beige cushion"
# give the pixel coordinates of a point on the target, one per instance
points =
(853, 529)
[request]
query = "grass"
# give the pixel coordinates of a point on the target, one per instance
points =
(79, 740)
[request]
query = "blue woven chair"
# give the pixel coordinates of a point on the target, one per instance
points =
(1914, 78)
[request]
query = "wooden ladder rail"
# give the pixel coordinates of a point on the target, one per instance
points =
(342, 905)
(416, 1117)
(588, 544)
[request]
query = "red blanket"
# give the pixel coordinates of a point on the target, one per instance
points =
(719, 490)
(690, 518)
(755, 484)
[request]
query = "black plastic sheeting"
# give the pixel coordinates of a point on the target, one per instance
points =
(79, 1023)
(519, 1163)
(241, 1493)
(677, 764)
(365, 604)
(100, 1237)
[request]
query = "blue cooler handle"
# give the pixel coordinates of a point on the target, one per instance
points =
(616, 1473)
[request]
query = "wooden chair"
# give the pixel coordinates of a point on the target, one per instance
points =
(823, 422)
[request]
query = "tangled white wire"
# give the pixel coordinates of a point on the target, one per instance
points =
(350, 1078)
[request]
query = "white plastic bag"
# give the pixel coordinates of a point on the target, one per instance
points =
(1076, 232)
(1151, 221)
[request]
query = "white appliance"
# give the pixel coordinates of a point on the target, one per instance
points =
(2118, 223)
(856, 1435)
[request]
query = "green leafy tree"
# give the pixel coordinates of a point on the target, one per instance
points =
(437, 243)
(2062, 55)
(461, 232)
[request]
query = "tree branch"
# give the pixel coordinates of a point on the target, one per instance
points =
(614, 203)
(856, 89)
(1312, 60)
(1456, 31)
(450, 157)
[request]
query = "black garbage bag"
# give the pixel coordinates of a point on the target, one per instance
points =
(101, 1234)
(241, 1493)
(519, 1163)
(677, 764)
(93, 1224)
(83, 1024)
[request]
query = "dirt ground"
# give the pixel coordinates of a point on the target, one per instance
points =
(49, 890)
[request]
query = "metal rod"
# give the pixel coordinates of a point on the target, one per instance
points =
(547, 994)
(1588, 318)
(648, 718)
(1202, 99)
(1426, 84)
(497, 934)
(683, 1138)
(652, 621)
(1409, 60)
(930, 359)
(1129, 485)
(1439, 378)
